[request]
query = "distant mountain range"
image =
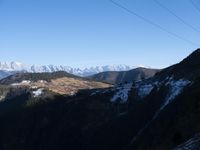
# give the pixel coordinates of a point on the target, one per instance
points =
(8, 68)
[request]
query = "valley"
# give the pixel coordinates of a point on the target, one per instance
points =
(47, 111)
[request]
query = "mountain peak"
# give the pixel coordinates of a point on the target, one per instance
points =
(193, 58)
(196, 53)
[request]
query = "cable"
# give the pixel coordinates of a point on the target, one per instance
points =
(193, 4)
(152, 23)
(179, 18)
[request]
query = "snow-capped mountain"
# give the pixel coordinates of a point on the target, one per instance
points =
(12, 66)
(17, 66)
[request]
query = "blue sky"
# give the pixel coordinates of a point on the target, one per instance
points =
(82, 33)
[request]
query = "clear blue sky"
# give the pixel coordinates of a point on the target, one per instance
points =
(95, 32)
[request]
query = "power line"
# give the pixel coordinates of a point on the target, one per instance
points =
(179, 18)
(193, 4)
(152, 23)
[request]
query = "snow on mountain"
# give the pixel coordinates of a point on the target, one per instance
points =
(17, 66)
(175, 88)
(122, 94)
(12, 66)
(191, 144)
(144, 90)
(38, 92)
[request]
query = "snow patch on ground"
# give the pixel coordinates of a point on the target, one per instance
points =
(43, 81)
(145, 90)
(38, 92)
(24, 82)
(192, 144)
(175, 88)
(95, 93)
(72, 93)
(122, 94)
